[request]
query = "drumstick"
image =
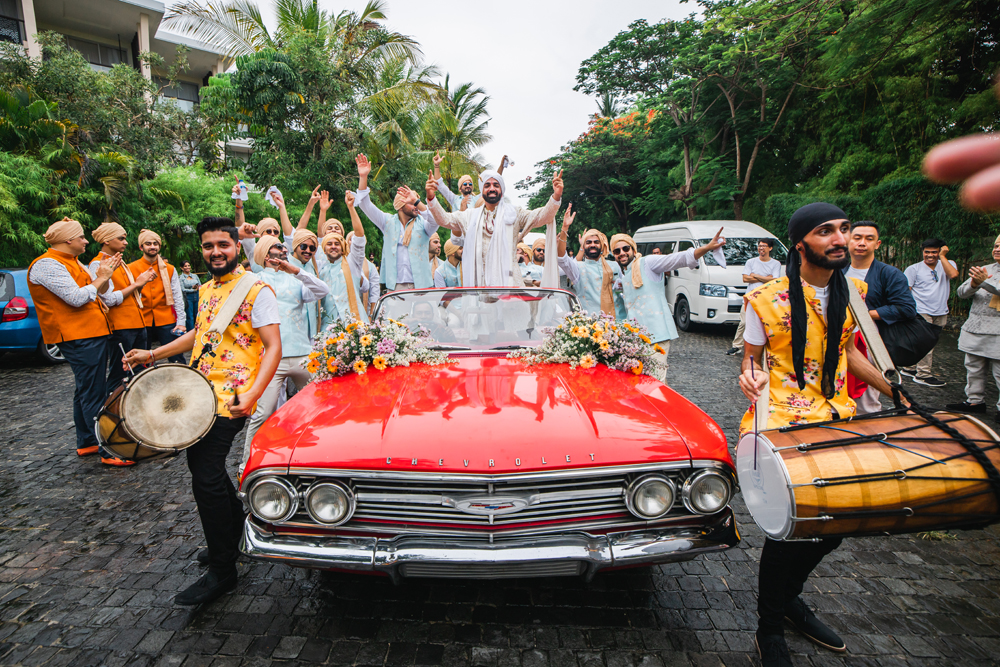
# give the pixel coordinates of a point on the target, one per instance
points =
(122, 348)
(754, 408)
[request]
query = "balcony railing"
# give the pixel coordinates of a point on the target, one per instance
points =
(12, 30)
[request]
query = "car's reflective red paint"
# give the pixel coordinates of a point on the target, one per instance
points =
(483, 414)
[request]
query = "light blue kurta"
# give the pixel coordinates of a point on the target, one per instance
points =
(312, 309)
(337, 304)
(449, 274)
(648, 304)
(588, 285)
(293, 311)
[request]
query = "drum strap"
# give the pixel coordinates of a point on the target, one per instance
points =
(226, 313)
(872, 338)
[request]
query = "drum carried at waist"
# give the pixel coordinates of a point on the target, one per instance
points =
(158, 412)
(884, 474)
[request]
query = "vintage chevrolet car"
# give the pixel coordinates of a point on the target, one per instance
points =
(487, 467)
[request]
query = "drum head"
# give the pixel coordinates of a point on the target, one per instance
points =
(765, 489)
(169, 407)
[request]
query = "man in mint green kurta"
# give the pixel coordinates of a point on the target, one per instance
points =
(593, 278)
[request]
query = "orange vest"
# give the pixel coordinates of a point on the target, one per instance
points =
(127, 314)
(155, 310)
(61, 322)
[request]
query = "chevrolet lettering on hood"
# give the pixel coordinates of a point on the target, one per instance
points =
(486, 467)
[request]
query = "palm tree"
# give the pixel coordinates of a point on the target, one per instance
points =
(607, 106)
(457, 126)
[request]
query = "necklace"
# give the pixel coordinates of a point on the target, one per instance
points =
(488, 223)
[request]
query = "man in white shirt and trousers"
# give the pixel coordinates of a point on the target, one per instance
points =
(930, 282)
(757, 271)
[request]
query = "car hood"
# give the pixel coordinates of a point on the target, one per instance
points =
(485, 415)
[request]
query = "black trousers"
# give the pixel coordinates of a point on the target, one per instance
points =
(784, 568)
(88, 357)
(220, 510)
(163, 334)
(130, 339)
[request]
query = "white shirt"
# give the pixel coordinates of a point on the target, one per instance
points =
(860, 274)
(265, 309)
(930, 287)
(404, 274)
(771, 267)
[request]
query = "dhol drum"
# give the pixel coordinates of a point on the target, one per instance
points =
(876, 475)
(158, 412)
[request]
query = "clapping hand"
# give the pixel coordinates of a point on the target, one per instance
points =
(146, 276)
(108, 265)
(557, 185)
(978, 275)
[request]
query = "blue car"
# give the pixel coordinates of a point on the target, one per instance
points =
(19, 328)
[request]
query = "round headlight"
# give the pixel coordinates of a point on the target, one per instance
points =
(650, 497)
(706, 492)
(329, 503)
(273, 499)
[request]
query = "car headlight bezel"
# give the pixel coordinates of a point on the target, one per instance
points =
(284, 485)
(689, 491)
(712, 289)
(638, 484)
(345, 490)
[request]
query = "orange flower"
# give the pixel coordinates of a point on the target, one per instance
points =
(360, 367)
(379, 362)
(312, 366)
(331, 365)
(637, 369)
(659, 349)
(587, 361)
(645, 339)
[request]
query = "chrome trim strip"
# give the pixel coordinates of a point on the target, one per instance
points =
(644, 547)
(502, 477)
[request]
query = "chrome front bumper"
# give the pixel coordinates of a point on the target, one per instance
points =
(579, 554)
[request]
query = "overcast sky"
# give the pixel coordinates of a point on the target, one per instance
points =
(525, 54)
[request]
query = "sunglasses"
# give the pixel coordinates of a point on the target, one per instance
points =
(271, 232)
(934, 274)
(306, 246)
(619, 251)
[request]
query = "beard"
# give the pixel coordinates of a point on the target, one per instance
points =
(824, 262)
(229, 267)
(492, 197)
(592, 253)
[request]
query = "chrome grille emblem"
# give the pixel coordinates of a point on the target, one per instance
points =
(489, 504)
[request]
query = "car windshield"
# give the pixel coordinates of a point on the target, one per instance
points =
(479, 319)
(739, 249)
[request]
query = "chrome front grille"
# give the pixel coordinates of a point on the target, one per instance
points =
(447, 570)
(476, 505)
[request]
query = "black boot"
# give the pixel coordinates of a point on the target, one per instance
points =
(203, 557)
(803, 620)
(210, 587)
(773, 650)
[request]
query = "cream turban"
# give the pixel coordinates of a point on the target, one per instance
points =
(539, 243)
(63, 231)
(303, 235)
(487, 175)
(636, 274)
(450, 248)
(264, 243)
(526, 249)
(268, 223)
(332, 222)
(335, 236)
(465, 179)
(398, 201)
(108, 231)
(345, 267)
(600, 237)
(434, 236)
(607, 275)
(148, 235)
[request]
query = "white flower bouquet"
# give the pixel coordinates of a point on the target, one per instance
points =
(584, 341)
(354, 347)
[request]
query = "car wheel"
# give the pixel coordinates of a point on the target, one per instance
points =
(50, 353)
(682, 314)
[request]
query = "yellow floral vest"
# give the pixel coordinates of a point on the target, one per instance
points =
(239, 353)
(788, 403)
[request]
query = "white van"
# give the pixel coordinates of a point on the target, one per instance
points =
(709, 293)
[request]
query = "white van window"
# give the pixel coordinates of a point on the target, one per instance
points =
(684, 245)
(739, 249)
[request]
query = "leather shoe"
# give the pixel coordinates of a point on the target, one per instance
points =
(210, 587)
(803, 620)
(87, 451)
(203, 557)
(965, 406)
(773, 650)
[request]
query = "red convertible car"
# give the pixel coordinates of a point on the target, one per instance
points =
(487, 467)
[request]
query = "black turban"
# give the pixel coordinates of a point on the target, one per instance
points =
(803, 221)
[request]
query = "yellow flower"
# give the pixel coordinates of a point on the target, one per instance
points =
(379, 362)
(637, 369)
(659, 349)
(351, 327)
(360, 366)
(313, 355)
(312, 366)
(605, 344)
(597, 336)
(366, 340)
(599, 326)
(629, 327)
(578, 332)
(645, 339)
(613, 327)
(331, 365)
(587, 361)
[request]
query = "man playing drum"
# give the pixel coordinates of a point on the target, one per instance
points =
(803, 324)
(239, 365)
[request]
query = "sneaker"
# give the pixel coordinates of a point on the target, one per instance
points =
(731, 351)
(929, 381)
(203, 557)
(87, 451)
(112, 461)
(209, 587)
(803, 620)
(773, 650)
(965, 406)
(908, 372)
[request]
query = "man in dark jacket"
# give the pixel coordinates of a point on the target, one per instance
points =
(889, 298)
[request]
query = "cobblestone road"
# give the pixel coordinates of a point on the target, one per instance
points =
(91, 558)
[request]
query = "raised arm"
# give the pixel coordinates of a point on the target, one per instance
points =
(546, 214)
(946, 264)
(455, 221)
(364, 168)
(239, 217)
(324, 206)
(359, 229)
(286, 224)
(716, 242)
(313, 198)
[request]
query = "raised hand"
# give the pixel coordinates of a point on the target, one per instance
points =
(314, 197)
(406, 193)
(557, 185)
(236, 189)
(978, 275)
(364, 167)
(717, 241)
(279, 199)
(568, 219)
(324, 200)
(437, 159)
(430, 187)
(248, 231)
(349, 199)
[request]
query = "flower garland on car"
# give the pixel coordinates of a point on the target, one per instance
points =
(585, 341)
(354, 347)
